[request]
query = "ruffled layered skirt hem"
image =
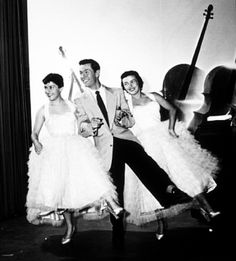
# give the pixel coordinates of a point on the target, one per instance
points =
(192, 168)
(67, 174)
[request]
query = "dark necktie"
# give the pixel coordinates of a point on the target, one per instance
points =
(102, 106)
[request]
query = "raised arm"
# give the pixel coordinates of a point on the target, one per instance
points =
(124, 117)
(172, 112)
(84, 124)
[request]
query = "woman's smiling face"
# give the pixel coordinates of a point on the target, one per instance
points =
(131, 85)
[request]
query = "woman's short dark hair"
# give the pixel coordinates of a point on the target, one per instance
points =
(94, 64)
(132, 73)
(54, 77)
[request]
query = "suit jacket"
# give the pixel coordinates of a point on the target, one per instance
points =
(87, 108)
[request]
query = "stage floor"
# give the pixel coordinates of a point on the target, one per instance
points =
(186, 239)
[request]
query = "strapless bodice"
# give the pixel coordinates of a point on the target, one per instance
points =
(61, 124)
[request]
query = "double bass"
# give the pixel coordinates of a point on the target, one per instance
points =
(219, 94)
(182, 84)
(212, 124)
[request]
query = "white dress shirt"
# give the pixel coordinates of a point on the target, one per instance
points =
(102, 94)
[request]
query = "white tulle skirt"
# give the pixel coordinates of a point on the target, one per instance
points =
(68, 173)
(188, 165)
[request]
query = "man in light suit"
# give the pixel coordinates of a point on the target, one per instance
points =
(117, 144)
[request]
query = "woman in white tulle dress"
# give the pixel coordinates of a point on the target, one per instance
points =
(189, 166)
(65, 171)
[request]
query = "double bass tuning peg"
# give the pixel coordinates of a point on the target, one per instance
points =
(208, 12)
(208, 15)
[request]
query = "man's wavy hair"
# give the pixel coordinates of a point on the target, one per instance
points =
(94, 64)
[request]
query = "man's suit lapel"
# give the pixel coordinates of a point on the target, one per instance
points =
(91, 104)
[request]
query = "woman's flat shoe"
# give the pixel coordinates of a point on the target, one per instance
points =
(214, 213)
(66, 239)
(117, 213)
(209, 215)
(205, 214)
(159, 236)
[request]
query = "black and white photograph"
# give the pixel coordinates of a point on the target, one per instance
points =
(117, 130)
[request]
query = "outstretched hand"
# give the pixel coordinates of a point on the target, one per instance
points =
(120, 117)
(38, 147)
(96, 124)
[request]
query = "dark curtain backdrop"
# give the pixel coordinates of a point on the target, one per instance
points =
(15, 119)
